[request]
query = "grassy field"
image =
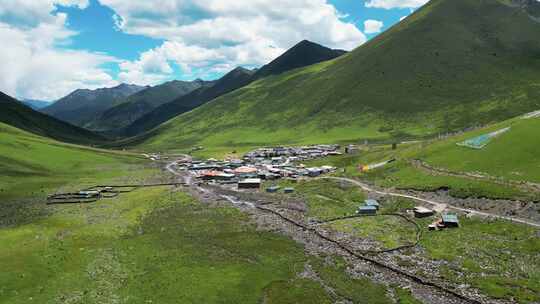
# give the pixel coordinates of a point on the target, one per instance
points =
(326, 199)
(402, 175)
(161, 246)
(510, 159)
(33, 165)
(497, 257)
(514, 155)
(390, 231)
(413, 80)
(156, 245)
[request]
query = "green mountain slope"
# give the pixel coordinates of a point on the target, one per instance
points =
(20, 116)
(514, 155)
(450, 65)
(231, 81)
(508, 167)
(143, 102)
(30, 163)
(302, 54)
(83, 106)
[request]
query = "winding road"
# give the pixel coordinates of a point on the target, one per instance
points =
(439, 207)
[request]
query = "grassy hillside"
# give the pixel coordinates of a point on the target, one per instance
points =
(513, 155)
(162, 246)
(20, 116)
(450, 65)
(303, 54)
(182, 104)
(143, 102)
(500, 170)
(463, 256)
(33, 165)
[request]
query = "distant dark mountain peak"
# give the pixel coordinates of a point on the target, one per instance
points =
(83, 105)
(234, 74)
(123, 85)
(242, 70)
(142, 102)
(127, 89)
(307, 43)
(302, 54)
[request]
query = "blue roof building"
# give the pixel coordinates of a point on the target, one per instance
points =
(450, 220)
(373, 203)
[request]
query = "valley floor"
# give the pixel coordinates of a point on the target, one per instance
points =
(163, 245)
(208, 244)
(471, 267)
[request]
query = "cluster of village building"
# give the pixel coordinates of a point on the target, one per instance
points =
(264, 164)
(286, 162)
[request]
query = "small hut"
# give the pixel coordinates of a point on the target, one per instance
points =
(367, 210)
(249, 183)
(450, 220)
(421, 212)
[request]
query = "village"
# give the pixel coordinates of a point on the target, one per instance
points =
(274, 163)
(262, 165)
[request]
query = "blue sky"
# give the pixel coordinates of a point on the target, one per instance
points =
(62, 45)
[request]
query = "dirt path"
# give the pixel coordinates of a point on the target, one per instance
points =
(437, 206)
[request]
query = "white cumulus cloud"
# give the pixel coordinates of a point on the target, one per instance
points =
(215, 35)
(34, 65)
(373, 26)
(391, 4)
(33, 12)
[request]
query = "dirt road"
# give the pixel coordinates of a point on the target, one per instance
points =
(437, 206)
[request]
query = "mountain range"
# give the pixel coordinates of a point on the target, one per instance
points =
(302, 54)
(452, 64)
(20, 116)
(413, 80)
(83, 106)
(137, 105)
(235, 79)
(129, 110)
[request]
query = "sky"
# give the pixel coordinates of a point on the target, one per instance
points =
(53, 47)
